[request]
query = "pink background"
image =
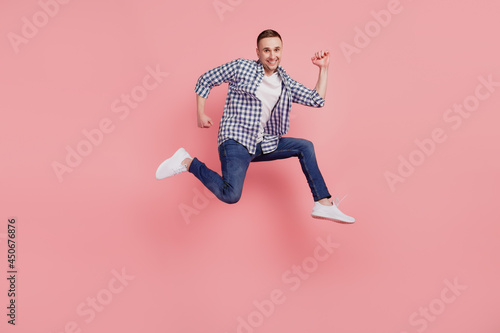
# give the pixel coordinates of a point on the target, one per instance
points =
(204, 272)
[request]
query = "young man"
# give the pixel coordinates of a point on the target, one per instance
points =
(255, 117)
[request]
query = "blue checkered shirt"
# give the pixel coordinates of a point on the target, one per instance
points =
(242, 111)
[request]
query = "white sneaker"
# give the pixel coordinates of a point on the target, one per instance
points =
(330, 213)
(173, 166)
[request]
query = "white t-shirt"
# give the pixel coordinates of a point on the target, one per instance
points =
(268, 92)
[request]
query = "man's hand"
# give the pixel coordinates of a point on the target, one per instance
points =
(204, 121)
(321, 59)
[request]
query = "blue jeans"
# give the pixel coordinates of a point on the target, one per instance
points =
(235, 158)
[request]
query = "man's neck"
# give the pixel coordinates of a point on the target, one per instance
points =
(268, 73)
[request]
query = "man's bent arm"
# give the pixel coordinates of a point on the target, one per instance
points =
(313, 97)
(212, 78)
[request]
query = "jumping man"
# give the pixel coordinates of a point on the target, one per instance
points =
(255, 118)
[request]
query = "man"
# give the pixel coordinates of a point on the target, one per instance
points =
(255, 117)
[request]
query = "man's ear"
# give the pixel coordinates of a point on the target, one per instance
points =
(257, 51)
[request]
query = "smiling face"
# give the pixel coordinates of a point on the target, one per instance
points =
(269, 53)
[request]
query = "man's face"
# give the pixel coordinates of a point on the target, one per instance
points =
(269, 53)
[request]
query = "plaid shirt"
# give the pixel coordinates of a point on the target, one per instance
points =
(242, 111)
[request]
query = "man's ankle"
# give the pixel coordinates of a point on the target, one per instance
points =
(325, 202)
(187, 162)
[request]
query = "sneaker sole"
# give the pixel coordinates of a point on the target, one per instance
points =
(330, 219)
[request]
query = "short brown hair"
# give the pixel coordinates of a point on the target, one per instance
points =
(268, 33)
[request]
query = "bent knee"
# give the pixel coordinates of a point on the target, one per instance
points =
(306, 146)
(231, 198)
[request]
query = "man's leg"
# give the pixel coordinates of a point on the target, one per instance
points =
(234, 159)
(304, 150)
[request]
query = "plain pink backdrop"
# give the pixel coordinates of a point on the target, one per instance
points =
(203, 272)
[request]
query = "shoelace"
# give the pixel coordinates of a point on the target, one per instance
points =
(179, 169)
(337, 202)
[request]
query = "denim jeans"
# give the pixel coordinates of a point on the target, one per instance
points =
(235, 160)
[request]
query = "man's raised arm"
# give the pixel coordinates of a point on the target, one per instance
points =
(322, 60)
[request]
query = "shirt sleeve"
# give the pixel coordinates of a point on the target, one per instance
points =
(305, 96)
(216, 76)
